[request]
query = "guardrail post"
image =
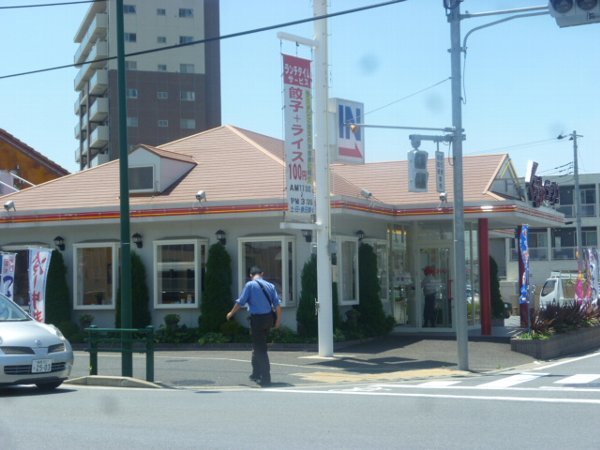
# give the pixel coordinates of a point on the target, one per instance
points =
(93, 350)
(149, 353)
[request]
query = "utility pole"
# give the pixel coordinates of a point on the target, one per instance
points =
(126, 312)
(573, 137)
(322, 194)
(460, 303)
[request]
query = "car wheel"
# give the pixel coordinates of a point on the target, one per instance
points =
(48, 386)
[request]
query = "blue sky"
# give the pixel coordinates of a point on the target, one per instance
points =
(525, 81)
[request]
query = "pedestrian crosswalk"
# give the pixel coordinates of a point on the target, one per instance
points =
(518, 380)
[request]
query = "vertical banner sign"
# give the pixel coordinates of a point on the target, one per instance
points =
(297, 84)
(39, 260)
(8, 274)
(524, 245)
(593, 259)
(350, 140)
(440, 172)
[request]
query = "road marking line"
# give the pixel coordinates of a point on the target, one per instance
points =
(442, 396)
(439, 383)
(508, 381)
(581, 378)
(566, 361)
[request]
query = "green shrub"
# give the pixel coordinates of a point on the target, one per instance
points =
(284, 335)
(140, 298)
(234, 332)
(372, 320)
(496, 296)
(217, 297)
(212, 338)
(58, 300)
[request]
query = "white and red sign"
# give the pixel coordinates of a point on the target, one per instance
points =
(8, 274)
(39, 261)
(350, 142)
(297, 84)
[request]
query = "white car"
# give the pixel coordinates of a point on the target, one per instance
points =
(31, 352)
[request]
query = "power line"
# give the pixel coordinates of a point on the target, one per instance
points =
(213, 39)
(50, 4)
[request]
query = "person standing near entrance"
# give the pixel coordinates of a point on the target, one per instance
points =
(430, 286)
(262, 299)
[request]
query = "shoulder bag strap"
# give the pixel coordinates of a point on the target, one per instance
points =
(265, 292)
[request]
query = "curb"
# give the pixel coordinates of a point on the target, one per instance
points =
(112, 381)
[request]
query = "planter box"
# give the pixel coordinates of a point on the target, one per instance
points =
(560, 344)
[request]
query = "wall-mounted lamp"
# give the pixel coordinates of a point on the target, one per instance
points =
(201, 195)
(10, 205)
(59, 243)
(221, 237)
(307, 235)
(360, 234)
(137, 240)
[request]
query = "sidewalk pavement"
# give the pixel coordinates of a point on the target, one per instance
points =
(396, 357)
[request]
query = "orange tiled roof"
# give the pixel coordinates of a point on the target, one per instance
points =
(235, 166)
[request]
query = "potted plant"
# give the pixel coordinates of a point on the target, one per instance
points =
(85, 321)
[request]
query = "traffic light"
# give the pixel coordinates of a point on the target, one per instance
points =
(574, 12)
(417, 171)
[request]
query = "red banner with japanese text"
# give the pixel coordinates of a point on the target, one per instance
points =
(39, 261)
(297, 82)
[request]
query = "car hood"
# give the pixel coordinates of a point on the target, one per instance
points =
(25, 334)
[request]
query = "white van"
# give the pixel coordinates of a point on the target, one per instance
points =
(559, 289)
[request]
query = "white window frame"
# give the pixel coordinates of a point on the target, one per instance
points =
(286, 260)
(187, 68)
(187, 96)
(153, 179)
(198, 264)
(114, 274)
(162, 95)
(163, 123)
(339, 273)
(161, 68)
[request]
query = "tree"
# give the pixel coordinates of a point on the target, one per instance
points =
(371, 316)
(217, 297)
(496, 297)
(308, 322)
(140, 298)
(58, 300)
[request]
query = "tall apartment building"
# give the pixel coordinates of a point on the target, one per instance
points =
(170, 94)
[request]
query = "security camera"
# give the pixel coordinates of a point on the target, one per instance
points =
(201, 195)
(365, 193)
(10, 205)
(443, 197)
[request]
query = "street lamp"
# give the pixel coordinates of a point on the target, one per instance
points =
(577, 213)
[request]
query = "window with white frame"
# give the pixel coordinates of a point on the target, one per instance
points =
(132, 93)
(179, 266)
(95, 271)
(161, 67)
(130, 37)
(141, 179)
(275, 256)
(187, 96)
(161, 39)
(163, 123)
(162, 95)
(161, 12)
(130, 65)
(537, 242)
(346, 270)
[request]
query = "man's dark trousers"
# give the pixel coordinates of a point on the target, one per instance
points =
(260, 324)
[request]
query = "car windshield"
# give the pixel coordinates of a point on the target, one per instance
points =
(10, 312)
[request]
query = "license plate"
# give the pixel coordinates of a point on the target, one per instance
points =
(41, 365)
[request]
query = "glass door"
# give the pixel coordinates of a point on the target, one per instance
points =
(435, 287)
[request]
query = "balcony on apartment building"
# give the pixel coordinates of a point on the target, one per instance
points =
(99, 51)
(99, 137)
(98, 110)
(97, 31)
